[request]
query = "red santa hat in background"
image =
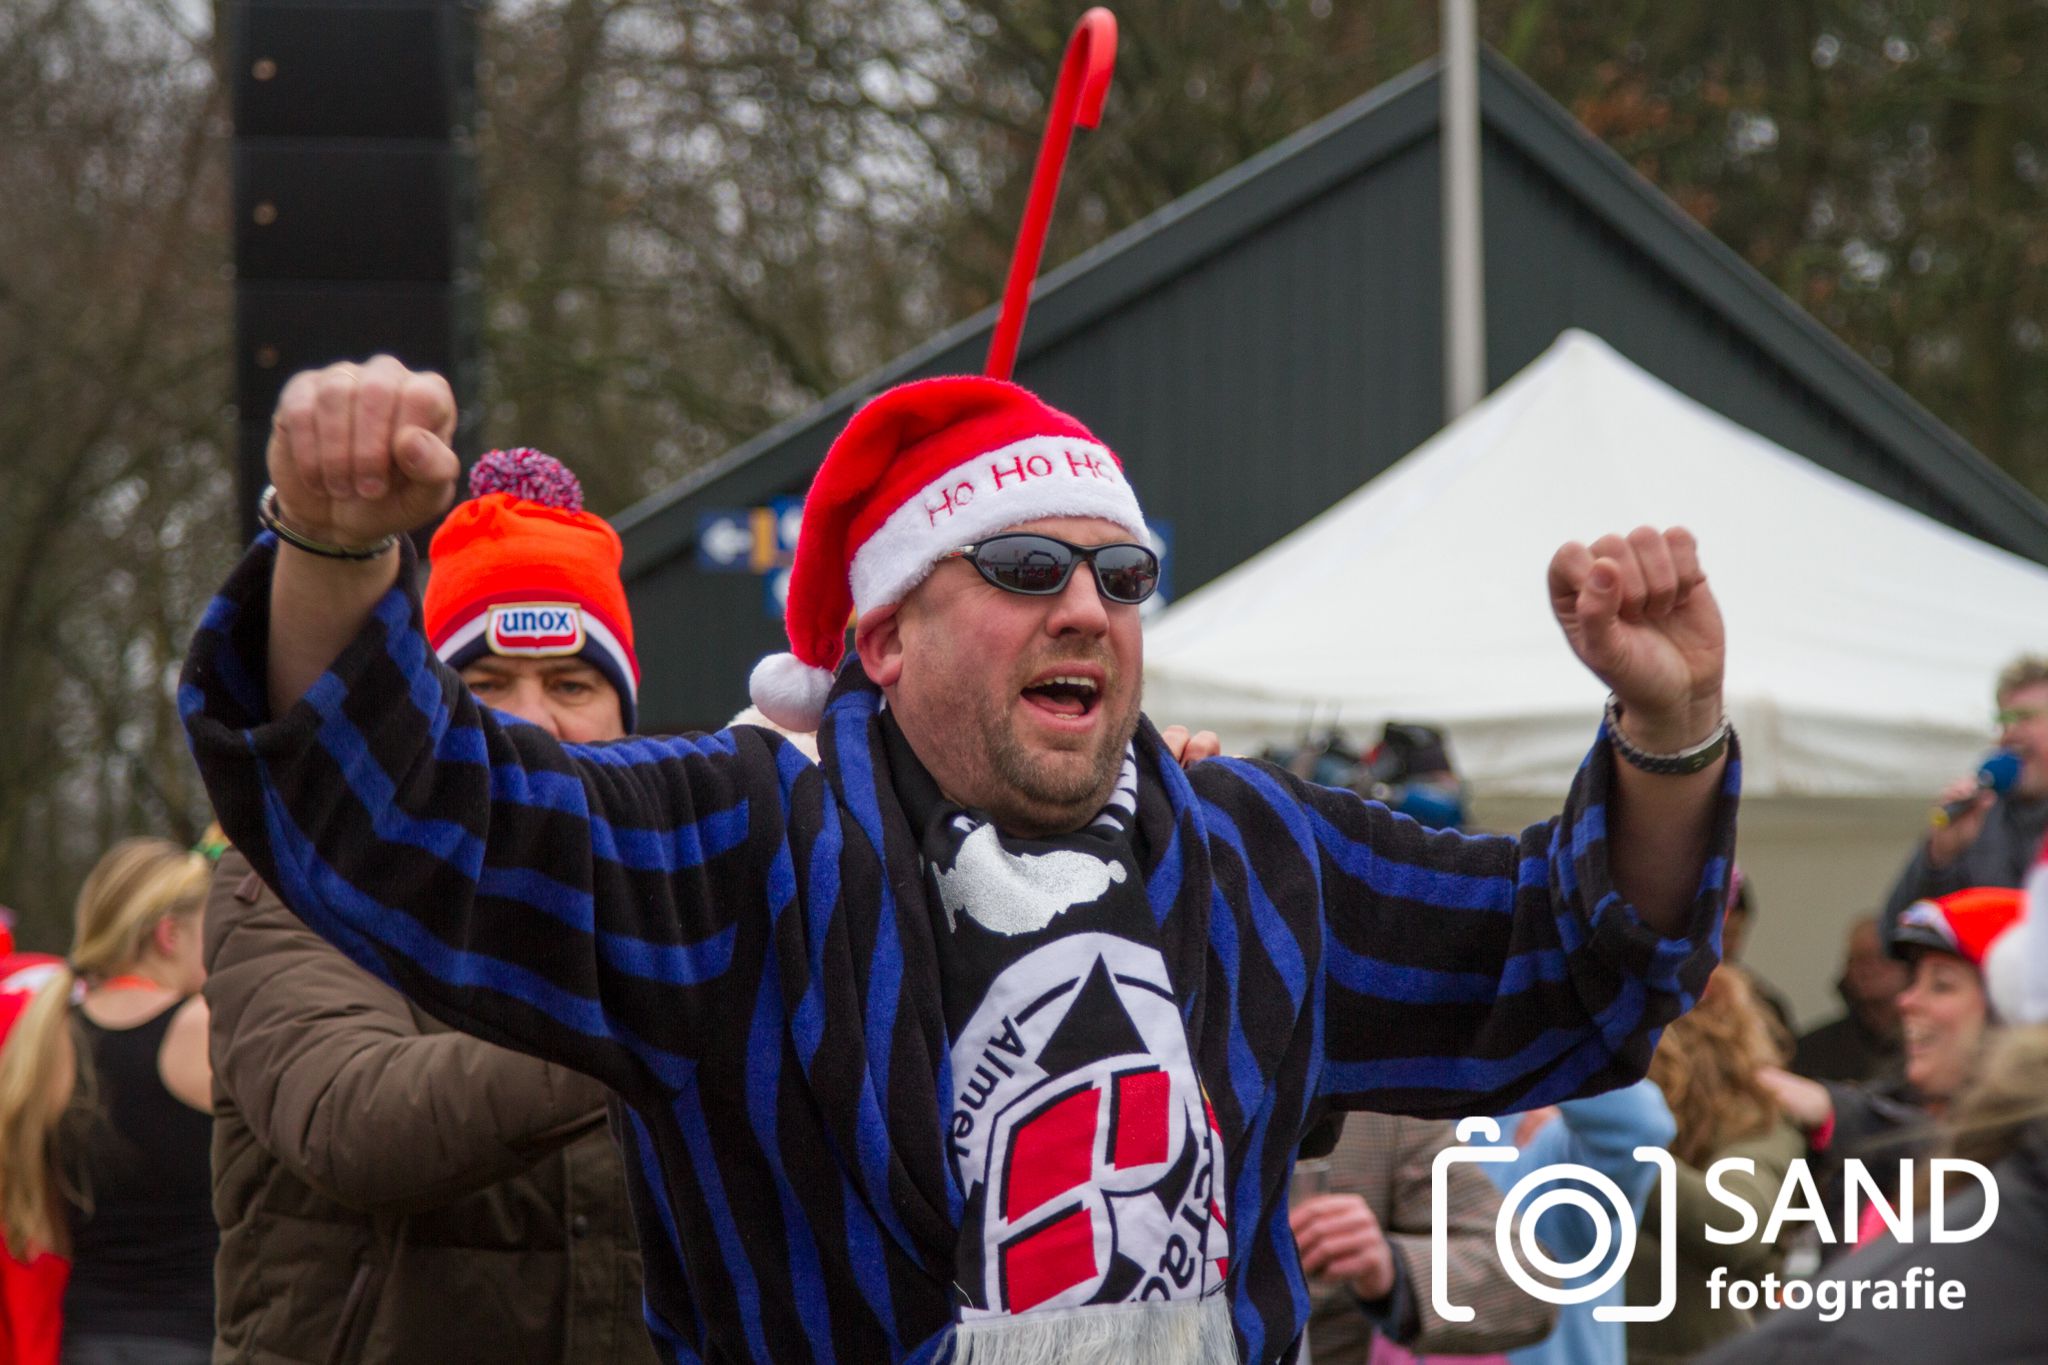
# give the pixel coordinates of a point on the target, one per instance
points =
(1985, 926)
(1965, 923)
(923, 469)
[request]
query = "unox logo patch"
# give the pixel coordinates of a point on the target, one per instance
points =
(543, 629)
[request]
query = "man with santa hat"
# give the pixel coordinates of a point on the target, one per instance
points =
(992, 1036)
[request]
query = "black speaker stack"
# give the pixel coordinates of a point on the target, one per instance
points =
(355, 200)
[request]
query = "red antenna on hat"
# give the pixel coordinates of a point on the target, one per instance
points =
(1076, 99)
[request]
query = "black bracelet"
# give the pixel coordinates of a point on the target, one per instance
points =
(268, 519)
(1692, 759)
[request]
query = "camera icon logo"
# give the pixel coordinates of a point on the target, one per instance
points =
(1613, 1219)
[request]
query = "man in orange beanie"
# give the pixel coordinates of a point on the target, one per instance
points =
(425, 1194)
(525, 599)
(992, 1036)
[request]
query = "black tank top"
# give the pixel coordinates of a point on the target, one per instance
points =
(142, 1261)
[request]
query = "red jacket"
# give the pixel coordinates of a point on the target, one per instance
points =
(31, 1292)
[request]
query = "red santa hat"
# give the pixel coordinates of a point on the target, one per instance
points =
(922, 469)
(1965, 923)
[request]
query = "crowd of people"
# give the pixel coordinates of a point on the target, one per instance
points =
(941, 1008)
(1939, 1052)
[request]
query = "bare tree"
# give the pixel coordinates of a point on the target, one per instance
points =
(113, 348)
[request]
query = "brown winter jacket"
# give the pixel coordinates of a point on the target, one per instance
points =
(391, 1191)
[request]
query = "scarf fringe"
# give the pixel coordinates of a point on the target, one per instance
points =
(1187, 1332)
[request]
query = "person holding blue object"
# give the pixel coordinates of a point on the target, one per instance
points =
(991, 1037)
(1986, 831)
(1601, 1132)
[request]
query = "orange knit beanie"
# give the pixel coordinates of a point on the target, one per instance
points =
(521, 570)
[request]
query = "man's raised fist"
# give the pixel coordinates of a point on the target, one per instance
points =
(360, 451)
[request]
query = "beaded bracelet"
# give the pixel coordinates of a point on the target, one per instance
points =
(1692, 759)
(267, 517)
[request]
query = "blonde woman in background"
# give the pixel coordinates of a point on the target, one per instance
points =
(105, 1095)
(1707, 1065)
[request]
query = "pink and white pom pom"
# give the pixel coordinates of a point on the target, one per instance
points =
(529, 474)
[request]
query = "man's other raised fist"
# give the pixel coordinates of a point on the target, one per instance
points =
(360, 451)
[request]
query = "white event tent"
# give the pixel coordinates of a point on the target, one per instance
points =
(1863, 636)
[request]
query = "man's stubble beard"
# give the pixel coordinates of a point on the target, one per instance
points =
(1039, 779)
(1040, 795)
(960, 723)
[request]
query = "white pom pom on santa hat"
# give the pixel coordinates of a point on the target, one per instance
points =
(921, 470)
(790, 692)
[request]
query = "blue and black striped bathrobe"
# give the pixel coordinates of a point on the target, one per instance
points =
(740, 943)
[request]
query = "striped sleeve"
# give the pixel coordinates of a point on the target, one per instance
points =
(586, 904)
(1487, 974)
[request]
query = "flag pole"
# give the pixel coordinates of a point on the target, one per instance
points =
(1463, 242)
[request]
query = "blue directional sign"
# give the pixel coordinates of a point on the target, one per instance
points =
(725, 541)
(789, 520)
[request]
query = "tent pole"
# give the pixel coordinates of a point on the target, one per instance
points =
(1464, 281)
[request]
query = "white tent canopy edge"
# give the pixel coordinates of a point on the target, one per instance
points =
(1863, 636)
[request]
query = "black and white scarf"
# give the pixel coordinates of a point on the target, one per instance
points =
(1094, 1222)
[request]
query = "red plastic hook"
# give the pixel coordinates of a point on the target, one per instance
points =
(1076, 99)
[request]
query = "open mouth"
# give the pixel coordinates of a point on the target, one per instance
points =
(1071, 696)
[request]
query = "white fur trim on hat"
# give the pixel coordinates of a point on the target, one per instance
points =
(790, 692)
(2013, 976)
(1040, 476)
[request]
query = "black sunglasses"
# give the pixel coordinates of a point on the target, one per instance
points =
(1040, 566)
